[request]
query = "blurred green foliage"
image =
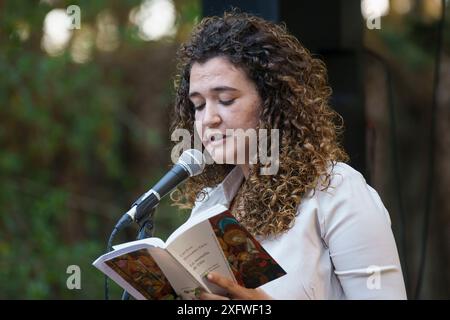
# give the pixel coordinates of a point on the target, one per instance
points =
(80, 141)
(68, 163)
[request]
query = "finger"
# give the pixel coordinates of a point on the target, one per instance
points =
(234, 289)
(220, 280)
(262, 295)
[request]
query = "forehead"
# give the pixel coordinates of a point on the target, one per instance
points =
(214, 72)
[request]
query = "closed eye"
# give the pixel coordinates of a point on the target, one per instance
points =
(199, 107)
(227, 102)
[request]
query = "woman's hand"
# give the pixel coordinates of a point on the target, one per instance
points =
(234, 290)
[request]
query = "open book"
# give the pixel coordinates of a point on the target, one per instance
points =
(212, 240)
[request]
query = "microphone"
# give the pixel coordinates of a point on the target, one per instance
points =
(190, 163)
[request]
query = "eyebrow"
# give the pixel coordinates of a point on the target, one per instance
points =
(215, 89)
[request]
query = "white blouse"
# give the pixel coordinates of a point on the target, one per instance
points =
(340, 247)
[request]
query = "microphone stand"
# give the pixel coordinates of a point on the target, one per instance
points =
(146, 228)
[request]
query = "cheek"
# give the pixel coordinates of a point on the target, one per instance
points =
(255, 120)
(250, 118)
(244, 115)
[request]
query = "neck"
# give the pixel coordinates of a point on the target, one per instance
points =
(245, 170)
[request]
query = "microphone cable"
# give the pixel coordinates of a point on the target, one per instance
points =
(109, 249)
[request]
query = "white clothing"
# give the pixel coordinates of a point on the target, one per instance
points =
(340, 247)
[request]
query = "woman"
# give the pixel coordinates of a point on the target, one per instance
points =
(316, 216)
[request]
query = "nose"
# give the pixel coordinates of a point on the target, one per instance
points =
(211, 116)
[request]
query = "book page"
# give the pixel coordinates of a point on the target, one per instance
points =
(200, 217)
(147, 271)
(199, 252)
(147, 241)
(215, 238)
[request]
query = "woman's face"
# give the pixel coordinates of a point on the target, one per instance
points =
(223, 98)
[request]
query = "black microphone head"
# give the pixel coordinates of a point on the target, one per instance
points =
(193, 160)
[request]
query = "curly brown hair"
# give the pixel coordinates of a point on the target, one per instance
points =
(294, 93)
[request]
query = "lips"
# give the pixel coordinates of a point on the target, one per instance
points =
(215, 137)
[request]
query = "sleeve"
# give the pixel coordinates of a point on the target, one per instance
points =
(356, 227)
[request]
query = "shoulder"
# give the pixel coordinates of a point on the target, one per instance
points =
(347, 198)
(343, 175)
(343, 182)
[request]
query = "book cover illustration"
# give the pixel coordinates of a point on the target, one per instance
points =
(250, 263)
(176, 269)
(141, 271)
